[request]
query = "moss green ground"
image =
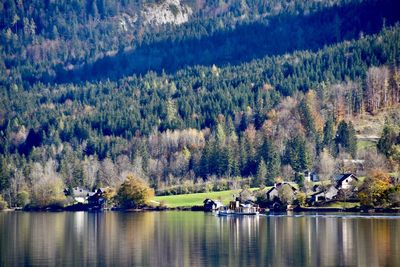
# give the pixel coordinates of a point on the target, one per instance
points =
(189, 200)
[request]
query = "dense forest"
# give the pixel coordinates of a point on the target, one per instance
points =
(243, 92)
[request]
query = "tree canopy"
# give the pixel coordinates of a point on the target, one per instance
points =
(134, 193)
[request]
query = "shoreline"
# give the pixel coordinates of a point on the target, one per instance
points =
(200, 209)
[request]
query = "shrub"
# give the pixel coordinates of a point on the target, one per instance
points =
(23, 198)
(3, 204)
(301, 199)
(47, 192)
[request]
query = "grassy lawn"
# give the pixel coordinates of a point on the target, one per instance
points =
(364, 144)
(197, 199)
(346, 205)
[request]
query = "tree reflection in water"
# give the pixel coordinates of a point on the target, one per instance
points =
(196, 239)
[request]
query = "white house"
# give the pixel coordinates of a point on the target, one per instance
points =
(328, 194)
(345, 181)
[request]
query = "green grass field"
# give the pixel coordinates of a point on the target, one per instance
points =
(365, 144)
(346, 205)
(189, 200)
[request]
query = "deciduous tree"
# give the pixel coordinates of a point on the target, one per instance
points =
(134, 193)
(375, 189)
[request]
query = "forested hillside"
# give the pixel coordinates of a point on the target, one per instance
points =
(112, 44)
(232, 92)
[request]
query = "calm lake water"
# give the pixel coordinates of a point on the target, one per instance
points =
(197, 239)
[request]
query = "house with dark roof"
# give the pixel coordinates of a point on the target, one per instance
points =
(96, 199)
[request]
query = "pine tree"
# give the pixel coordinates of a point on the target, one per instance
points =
(306, 118)
(329, 132)
(268, 153)
(204, 168)
(233, 155)
(387, 140)
(296, 154)
(274, 163)
(261, 174)
(352, 145)
(243, 157)
(221, 161)
(221, 152)
(220, 135)
(346, 138)
(304, 156)
(4, 174)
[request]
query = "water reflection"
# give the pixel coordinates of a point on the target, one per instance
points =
(196, 239)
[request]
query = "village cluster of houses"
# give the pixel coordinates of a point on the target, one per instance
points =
(320, 192)
(345, 185)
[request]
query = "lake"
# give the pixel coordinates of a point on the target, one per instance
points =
(178, 238)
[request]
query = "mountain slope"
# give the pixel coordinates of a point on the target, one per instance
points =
(209, 102)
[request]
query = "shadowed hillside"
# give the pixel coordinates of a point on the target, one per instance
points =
(278, 35)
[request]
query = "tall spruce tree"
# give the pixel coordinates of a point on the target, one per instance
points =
(297, 154)
(388, 139)
(346, 138)
(329, 132)
(261, 173)
(244, 158)
(267, 152)
(306, 118)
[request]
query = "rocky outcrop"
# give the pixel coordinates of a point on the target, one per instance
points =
(168, 11)
(163, 12)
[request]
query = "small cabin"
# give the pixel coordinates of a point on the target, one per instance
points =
(212, 205)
